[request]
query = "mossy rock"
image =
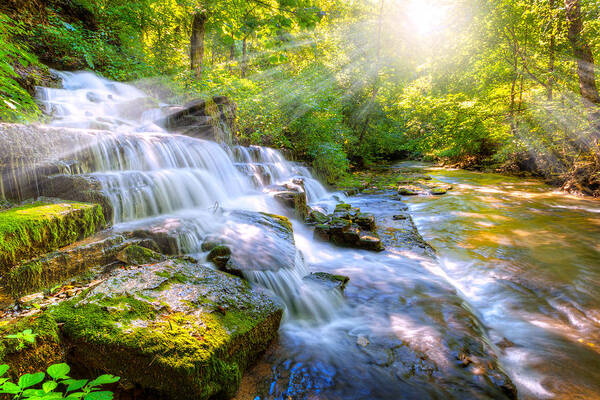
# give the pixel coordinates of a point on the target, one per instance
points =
(219, 256)
(177, 328)
(407, 191)
(437, 191)
(30, 230)
(31, 357)
(317, 217)
(58, 266)
(138, 255)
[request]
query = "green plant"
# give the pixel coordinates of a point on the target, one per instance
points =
(24, 337)
(58, 386)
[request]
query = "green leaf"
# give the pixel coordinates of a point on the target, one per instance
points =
(106, 395)
(59, 371)
(74, 396)
(74, 384)
(11, 388)
(103, 380)
(3, 369)
(28, 380)
(49, 386)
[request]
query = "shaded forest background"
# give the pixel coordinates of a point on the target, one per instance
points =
(501, 84)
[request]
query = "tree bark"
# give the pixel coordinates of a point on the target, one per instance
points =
(552, 55)
(197, 42)
(244, 51)
(231, 54)
(583, 54)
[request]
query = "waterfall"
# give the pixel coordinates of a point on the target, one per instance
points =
(148, 173)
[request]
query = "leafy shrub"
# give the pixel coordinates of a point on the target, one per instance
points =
(58, 385)
(15, 103)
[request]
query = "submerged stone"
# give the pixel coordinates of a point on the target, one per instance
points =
(177, 328)
(328, 281)
(37, 228)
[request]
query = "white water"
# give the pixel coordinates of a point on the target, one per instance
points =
(152, 176)
(387, 340)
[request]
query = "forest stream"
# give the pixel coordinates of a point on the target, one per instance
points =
(497, 298)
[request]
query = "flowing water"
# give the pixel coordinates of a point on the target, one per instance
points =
(514, 288)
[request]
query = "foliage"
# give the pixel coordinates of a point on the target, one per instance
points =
(23, 337)
(57, 385)
(15, 103)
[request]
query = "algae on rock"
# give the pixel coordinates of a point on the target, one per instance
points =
(179, 328)
(37, 228)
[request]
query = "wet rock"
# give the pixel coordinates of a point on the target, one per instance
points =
(84, 188)
(33, 229)
(407, 191)
(295, 200)
(180, 329)
(438, 191)
(211, 242)
(322, 232)
(258, 242)
(317, 217)
(137, 255)
(370, 242)
(32, 153)
(211, 119)
(50, 269)
(399, 217)
(365, 221)
(220, 256)
(327, 281)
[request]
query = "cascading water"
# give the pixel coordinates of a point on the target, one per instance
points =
(149, 174)
(402, 330)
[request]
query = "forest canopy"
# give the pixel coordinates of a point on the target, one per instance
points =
(341, 84)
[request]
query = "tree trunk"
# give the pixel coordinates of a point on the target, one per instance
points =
(231, 54)
(197, 42)
(244, 51)
(583, 54)
(552, 51)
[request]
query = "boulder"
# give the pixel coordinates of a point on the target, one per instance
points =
(365, 221)
(50, 269)
(179, 329)
(84, 188)
(211, 119)
(258, 242)
(37, 228)
(407, 191)
(294, 199)
(220, 256)
(438, 191)
(317, 217)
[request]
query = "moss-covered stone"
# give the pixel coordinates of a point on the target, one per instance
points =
(138, 255)
(219, 256)
(407, 191)
(34, 229)
(438, 191)
(31, 357)
(181, 329)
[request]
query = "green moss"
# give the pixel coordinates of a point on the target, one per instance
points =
(137, 255)
(283, 221)
(37, 228)
(187, 331)
(46, 350)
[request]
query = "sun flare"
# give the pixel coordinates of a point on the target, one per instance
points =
(427, 16)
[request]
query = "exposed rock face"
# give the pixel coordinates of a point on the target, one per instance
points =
(211, 119)
(30, 153)
(34, 229)
(292, 195)
(84, 188)
(58, 266)
(181, 329)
